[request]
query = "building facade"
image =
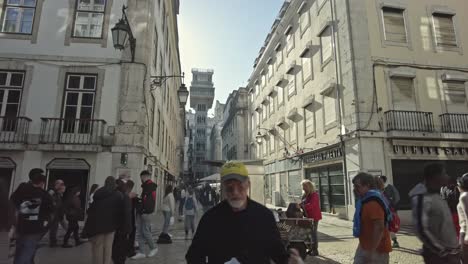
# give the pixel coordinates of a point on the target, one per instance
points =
(235, 136)
(215, 151)
(80, 109)
(201, 100)
(376, 86)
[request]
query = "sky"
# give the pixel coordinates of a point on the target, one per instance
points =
(226, 36)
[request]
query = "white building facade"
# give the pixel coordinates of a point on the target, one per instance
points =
(234, 134)
(80, 109)
(377, 86)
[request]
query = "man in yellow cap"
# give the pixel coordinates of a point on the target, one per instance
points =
(238, 230)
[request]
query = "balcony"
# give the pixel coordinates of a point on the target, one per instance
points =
(14, 129)
(414, 121)
(72, 131)
(454, 123)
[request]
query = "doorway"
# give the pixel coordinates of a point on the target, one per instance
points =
(72, 178)
(6, 175)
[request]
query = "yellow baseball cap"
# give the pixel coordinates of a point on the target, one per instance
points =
(234, 171)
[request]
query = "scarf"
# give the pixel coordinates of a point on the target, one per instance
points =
(370, 195)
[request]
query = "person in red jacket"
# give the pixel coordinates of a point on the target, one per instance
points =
(311, 206)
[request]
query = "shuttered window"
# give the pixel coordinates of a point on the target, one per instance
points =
(305, 21)
(291, 84)
(264, 147)
(279, 59)
(394, 25)
(280, 95)
(289, 42)
(326, 44)
(306, 68)
(270, 71)
(444, 31)
(292, 131)
(308, 120)
(329, 108)
(271, 105)
(272, 144)
(403, 93)
(455, 92)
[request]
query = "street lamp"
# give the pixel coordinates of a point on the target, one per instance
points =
(183, 94)
(122, 32)
(259, 138)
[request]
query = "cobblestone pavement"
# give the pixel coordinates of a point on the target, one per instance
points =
(336, 246)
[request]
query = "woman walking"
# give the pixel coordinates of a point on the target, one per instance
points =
(168, 208)
(190, 210)
(104, 218)
(73, 212)
(311, 206)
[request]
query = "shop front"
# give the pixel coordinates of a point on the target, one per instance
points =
(408, 159)
(325, 169)
(283, 182)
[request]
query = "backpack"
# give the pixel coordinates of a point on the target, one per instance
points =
(394, 224)
(189, 204)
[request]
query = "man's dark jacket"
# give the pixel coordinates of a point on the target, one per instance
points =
(147, 202)
(106, 213)
(250, 236)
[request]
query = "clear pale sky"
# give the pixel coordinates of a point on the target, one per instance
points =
(226, 36)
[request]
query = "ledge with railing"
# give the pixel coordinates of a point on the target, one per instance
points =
(454, 123)
(72, 131)
(14, 129)
(415, 121)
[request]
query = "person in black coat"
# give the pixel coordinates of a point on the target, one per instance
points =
(73, 212)
(121, 237)
(104, 218)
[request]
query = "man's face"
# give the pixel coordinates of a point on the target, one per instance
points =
(236, 192)
(144, 178)
(59, 186)
(360, 189)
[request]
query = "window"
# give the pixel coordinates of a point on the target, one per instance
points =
(394, 25)
(257, 89)
(291, 84)
(329, 109)
(264, 147)
(304, 21)
(309, 121)
(280, 95)
(271, 105)
(89, 18)
(257, 118)
(263, 80)
(294, 184)
(403, 93)
(264, 112)
(155, 45)
(455, 96)
(270, 71)
(80, 94)
(306, 69)
(272, 144)
(279, 59)
(151, 108)
(289, 42)
(326, 44)
(162, 136)
(11, 86)
(444, 31)
(19, 16)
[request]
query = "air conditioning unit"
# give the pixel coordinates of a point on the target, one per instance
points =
(277, 198)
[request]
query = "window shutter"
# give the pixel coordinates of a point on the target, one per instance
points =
(330, 109)
(306, 68)
(455, 92)
(403, 93)
(309, 121)
(444, 30)
(394, 23)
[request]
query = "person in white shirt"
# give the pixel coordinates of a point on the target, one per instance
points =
(168, 208)
(462, 209)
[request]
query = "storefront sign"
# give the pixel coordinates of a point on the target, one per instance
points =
(329, 154)
(448, 151)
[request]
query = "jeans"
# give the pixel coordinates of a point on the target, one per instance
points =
(54, 225)
(26, 246)
(101, 247)
(314, 237)
(189, 223)
(167, 218)
(73, 228)
(361, 257)
(181, 206)
(144, 230)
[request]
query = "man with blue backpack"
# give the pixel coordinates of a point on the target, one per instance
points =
(190, 210)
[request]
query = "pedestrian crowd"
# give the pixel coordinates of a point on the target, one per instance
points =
(235, 229)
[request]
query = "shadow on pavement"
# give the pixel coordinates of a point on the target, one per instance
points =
(407, 250)
(327, 238)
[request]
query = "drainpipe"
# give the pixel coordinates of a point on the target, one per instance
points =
(335, 44)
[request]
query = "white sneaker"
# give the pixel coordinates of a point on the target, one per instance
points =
(138, 256)
(152, 253)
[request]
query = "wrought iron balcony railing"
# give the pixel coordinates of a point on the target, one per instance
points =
(409, 121)
(14, 129)
(72, 131)
(454, 123)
